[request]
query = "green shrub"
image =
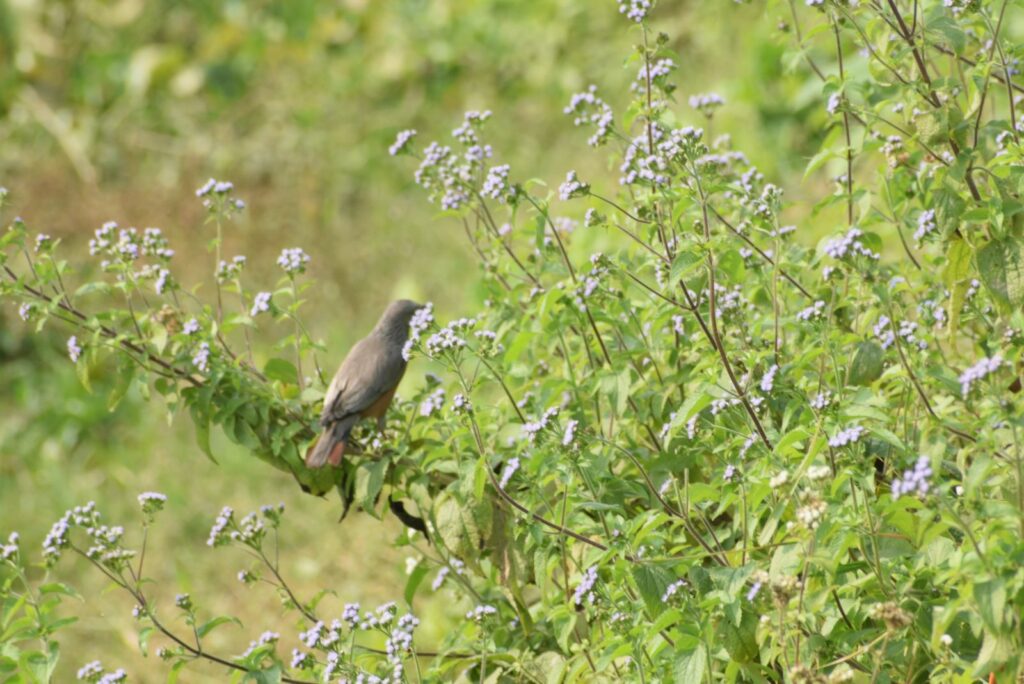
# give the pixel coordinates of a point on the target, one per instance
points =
(711, 451)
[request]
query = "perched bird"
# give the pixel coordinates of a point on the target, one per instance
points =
(364, 384)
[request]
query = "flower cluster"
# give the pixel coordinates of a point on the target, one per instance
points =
(672, 589)
(266, 641)
(510, 469)
(978, 371)
(850, 244)
(229, 270)
(434, 402)
(293, 261)
(636, 10)
(401, 144)
(846, 436)
(74, 350)
(706, 103)
(9, 551)
(925, 224)
(585, 589)
(532, 428)
(572, 187)
(455, 564)
(216, 196)
(260, 303)
(814, 312)
(94, 673)
(916, 480)
(201, 359)
(151, 503)
(419, 322)
(590, 110)
(907, 332)
(481, 612)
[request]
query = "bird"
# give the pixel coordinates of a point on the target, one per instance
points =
(364, 384)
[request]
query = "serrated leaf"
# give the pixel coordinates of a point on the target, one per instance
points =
(651, 582)
(690, 665)
(369, 482)
(684, 264)
(1001, 265)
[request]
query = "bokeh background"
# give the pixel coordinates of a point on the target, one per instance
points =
(119, 109)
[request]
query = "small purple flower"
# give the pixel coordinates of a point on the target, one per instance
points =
(706, 103)
(672, 589)
(925, 224)
(191, 327)
(570, 432)
(74, 351)
(401, 143)
(260, 303)
(25, 311)
(480, 612)
(834, 100)
(152, 502)
(496, 183)
(510, 469)
(439, 580)
(976, 372)
(915, 480)
(585, 589)
(293, 260)
(768, 380)
(572, 187)
(635, 10)
(43, 241)
(847, 436)
(201, 359)
(755, 588)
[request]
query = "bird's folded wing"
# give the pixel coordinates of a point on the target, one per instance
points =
(370, 370)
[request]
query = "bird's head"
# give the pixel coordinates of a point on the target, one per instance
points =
(395, 320)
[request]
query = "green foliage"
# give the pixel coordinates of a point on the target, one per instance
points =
(707, 453)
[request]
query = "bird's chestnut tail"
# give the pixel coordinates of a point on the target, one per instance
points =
(330, 448)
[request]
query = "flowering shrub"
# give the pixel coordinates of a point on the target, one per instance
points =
(714, 451)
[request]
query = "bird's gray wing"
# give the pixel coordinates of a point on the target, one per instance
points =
(369, 371)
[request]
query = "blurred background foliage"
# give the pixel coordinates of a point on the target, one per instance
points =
(119, 109)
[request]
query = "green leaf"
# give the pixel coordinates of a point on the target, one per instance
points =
(201, 421)
(991, 600)
(651, 582)
(690, 666)
(281, 370)
(958, 262)
(457, 527)
(414, 581)
(125, 375)
(216, 622)
(684, 264)
(40, 666)
(82, 371)
(369, 482)
(1001, 265)
(271, 675)
(867, 364)
(739, 640)
(144, 635)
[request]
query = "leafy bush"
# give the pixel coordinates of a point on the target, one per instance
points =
(712, 451)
